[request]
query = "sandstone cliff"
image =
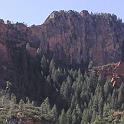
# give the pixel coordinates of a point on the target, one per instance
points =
(80, 37)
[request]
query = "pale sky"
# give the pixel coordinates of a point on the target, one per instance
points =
(36, 11)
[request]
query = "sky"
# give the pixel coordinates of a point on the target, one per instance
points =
(36, 11)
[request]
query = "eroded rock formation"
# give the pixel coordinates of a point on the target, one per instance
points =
(80, 37)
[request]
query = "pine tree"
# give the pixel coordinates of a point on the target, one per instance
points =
(44, 65)
(52, 65)
(114, 100)
(54, 113)
(107, 89)
(85, 117)
(74, 119)
(65, 90)
(98, 120)
(121, 94)
(21, 105)
(45, 108)
(62, 117)
(69, 117)
(94, 116)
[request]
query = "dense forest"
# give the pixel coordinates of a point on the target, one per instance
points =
(66, 96)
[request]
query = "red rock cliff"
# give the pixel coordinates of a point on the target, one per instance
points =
(73, 36)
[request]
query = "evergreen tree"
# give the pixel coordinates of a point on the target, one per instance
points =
(85, 117)
(45, 108)
(52, 65)
(69, 117)
(62, 117)
(54, 113)
(121, 94)
(44, 65)
(21, 105)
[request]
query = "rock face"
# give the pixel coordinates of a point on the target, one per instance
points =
(75, 37)
(71, 38)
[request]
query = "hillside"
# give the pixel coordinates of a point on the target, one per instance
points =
(69, 60)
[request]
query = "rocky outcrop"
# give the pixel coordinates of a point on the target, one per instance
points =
(71, 37)
(75, 37)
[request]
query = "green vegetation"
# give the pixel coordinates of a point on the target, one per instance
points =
(71, 98)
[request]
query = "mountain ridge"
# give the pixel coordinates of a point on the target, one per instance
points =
(78, 29)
